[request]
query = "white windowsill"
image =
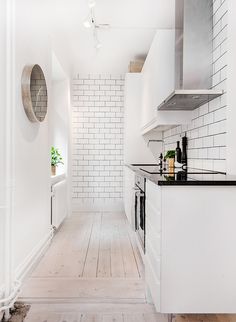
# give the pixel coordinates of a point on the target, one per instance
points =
(57, 178)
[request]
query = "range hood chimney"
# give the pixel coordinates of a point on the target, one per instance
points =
(193, 56)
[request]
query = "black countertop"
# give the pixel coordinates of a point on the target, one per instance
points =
(179, 177)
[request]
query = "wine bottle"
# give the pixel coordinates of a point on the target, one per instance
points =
(184, 150)
(178, 153)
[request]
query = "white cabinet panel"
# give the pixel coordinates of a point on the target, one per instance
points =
(190, 265)
(154, 217)
(154, 260)
(153, 238)
(153, 285)
(158, 73)
(135, 146)
(153, 242)
(198, 249)
(158, 83)
(153, 195)
(129, 183)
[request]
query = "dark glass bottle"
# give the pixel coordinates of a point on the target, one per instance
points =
(161, 160)
(184, 150)
(178, 153)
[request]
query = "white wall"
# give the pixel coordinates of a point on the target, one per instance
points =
(2, 133)
(207, 131)
(97, 155)
(32, 141)
(31, 221)
(25, 149)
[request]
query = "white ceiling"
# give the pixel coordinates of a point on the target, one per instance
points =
(133, 25)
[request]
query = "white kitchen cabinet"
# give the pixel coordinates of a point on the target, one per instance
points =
(158, 77)
(153, 242)
(135, 145)
(190, 261)
(129, 184)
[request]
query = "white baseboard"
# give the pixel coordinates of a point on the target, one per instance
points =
(98, 205)
(31, 260)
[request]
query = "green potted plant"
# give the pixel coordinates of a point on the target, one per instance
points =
(170, 156)
(55, 160)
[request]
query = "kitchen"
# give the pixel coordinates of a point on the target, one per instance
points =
(176, 246)
(138, 223)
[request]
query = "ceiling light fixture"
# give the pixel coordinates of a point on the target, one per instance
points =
(87, 23)
(97, 43)
(91, 3)
(90, 22)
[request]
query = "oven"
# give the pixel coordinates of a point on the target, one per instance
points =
(140, 209)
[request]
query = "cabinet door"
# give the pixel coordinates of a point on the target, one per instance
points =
(158, 74)
(135, 145)
(153, 242)
(129, 183)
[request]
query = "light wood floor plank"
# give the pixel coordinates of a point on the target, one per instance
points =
(130, 265)
(104, 288)
(43, 317)
(117, 263)
(85, 247)
(104, 258)
(91, 318)
(100, 308)
(71, 317)
(155, 317)
(112, 318)
(67, 253)
(135, 317)
(91, 261)
(137, 256)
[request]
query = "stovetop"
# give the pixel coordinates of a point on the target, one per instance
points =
(154, 169)
(181, 176)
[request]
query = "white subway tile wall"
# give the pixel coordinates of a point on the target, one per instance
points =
(97, 127)
(207, 131)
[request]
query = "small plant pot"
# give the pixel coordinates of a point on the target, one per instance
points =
(53, 170)
(171, 163)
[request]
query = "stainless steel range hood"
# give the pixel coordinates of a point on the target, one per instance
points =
(193, 56)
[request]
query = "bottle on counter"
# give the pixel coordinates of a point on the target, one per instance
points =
(184, 150)
(164, 164)
(178, 153)
(161, 160)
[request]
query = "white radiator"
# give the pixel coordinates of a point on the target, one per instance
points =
(59, 203)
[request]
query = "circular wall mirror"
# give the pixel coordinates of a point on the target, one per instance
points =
(34, 93)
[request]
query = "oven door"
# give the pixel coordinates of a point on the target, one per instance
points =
(140, 216)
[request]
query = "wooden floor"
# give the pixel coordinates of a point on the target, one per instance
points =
(93, 245)
(92, 272)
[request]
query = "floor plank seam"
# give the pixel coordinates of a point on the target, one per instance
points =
(99, 244)
(88, 247)
(119, 229)
(134, 255)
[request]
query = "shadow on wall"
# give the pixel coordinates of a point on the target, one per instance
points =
(155, 144)
(28, 129)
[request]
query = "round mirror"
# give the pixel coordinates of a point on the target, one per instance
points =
(34, 93)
